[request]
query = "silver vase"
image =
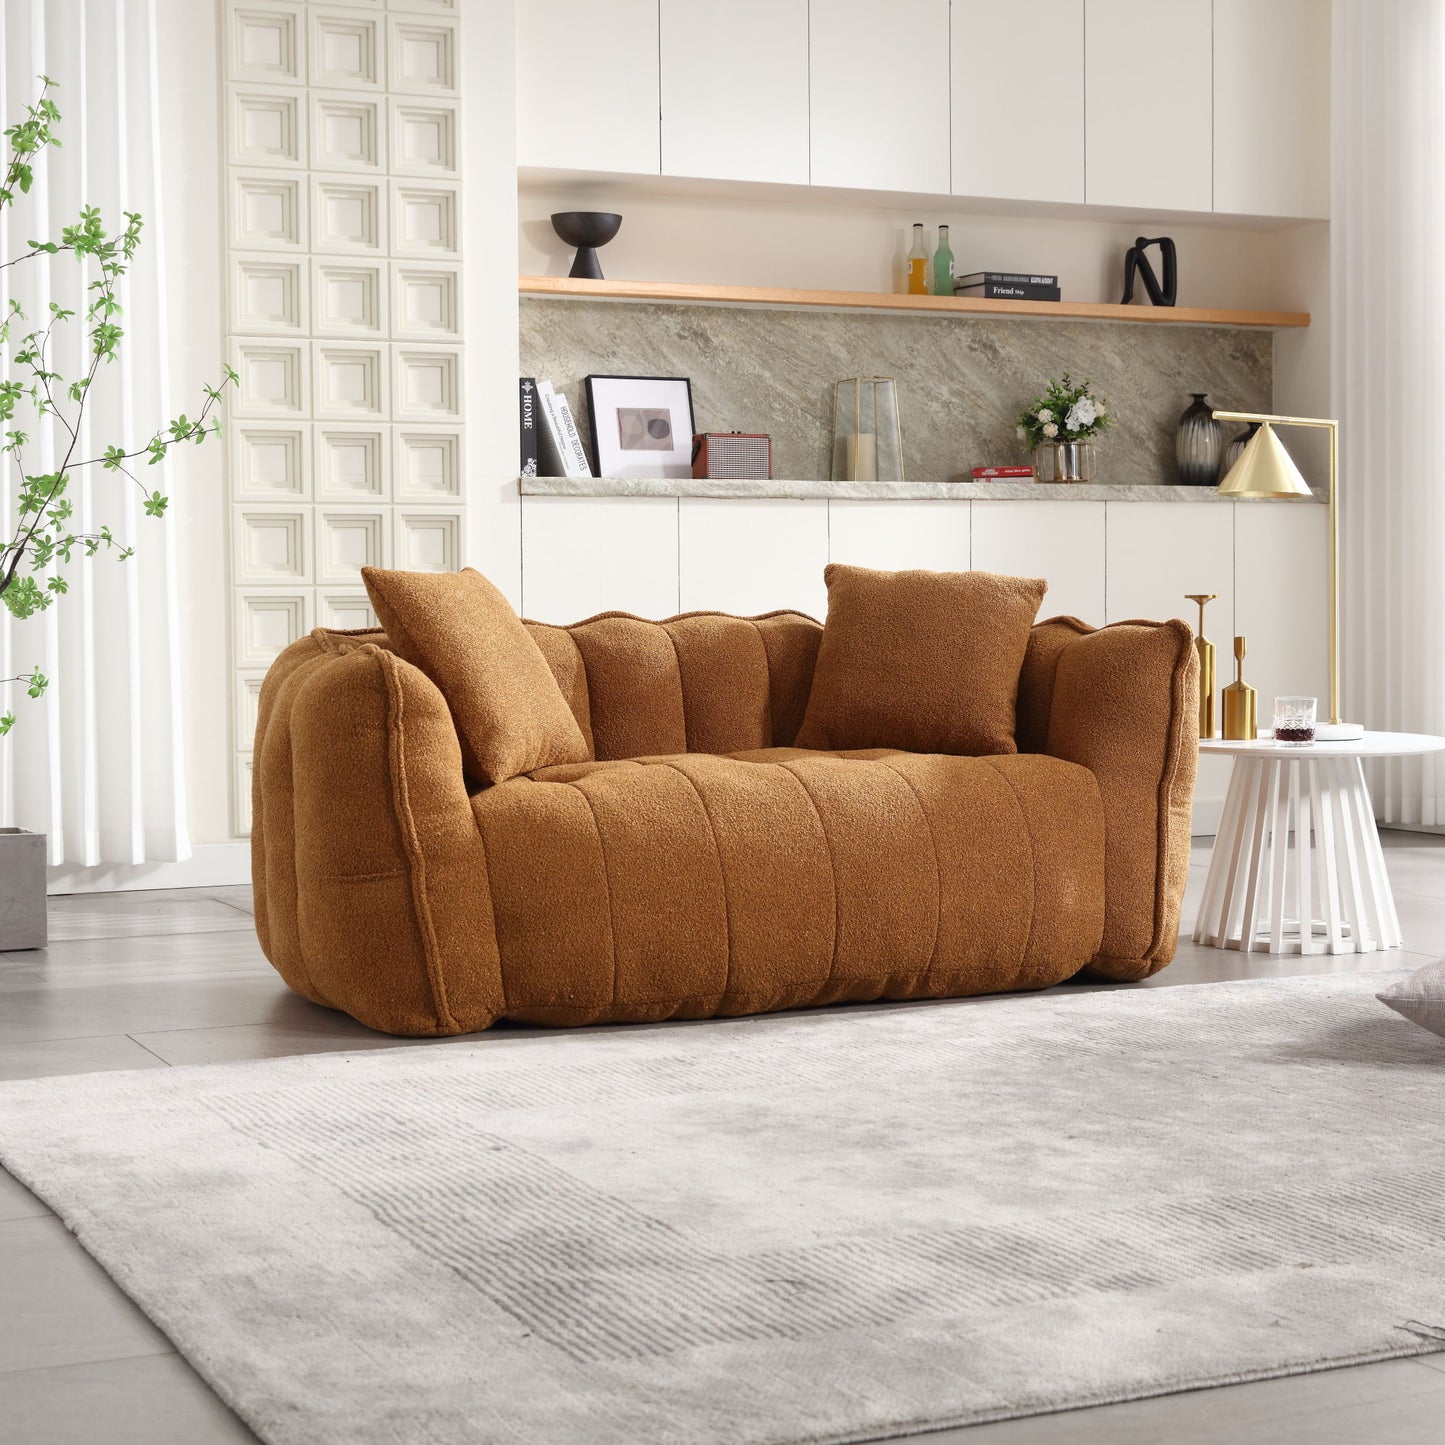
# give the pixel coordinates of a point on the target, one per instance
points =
(1066, 462)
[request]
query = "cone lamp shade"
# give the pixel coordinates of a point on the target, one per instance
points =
(1266, 472)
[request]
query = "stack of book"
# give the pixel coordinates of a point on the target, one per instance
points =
(1008, 286)
(551, 443)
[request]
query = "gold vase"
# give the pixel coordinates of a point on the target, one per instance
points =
(1241, 705)
(1205, 649)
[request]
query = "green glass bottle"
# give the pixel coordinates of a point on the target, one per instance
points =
(943, 265)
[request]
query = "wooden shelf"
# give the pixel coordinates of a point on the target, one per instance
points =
(886, 301)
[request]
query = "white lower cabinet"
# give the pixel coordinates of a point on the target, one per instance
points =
(894, 536)
(1062, 542)
(584, 555)
(749, 557)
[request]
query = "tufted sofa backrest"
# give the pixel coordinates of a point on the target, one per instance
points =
(704, 682)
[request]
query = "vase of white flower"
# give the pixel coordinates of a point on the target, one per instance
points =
(1060, 427)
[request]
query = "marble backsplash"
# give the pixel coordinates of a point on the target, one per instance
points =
(961, 380)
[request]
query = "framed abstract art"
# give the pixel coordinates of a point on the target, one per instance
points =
(642, 426)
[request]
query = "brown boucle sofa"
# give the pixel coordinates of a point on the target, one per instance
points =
(701, 865)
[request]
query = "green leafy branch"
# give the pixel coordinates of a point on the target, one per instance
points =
(1068, 411)
(41, 540)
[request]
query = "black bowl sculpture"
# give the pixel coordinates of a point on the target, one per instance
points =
(587, 230)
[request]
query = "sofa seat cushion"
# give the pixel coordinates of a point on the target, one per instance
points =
(695, 884)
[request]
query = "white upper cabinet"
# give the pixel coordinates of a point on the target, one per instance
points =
(1148, 92)
(587, 85)
(1272, 107)
(1018, 99)
(879, 94)
(735, 89)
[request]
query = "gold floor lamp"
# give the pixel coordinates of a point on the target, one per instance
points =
(1265, 470)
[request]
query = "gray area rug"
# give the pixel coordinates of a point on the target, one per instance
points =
(821, 1227)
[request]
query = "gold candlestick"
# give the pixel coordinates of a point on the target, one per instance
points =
(1205, 648)
(1241, 714)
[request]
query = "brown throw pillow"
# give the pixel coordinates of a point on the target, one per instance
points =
(923, 661)
(457, 628)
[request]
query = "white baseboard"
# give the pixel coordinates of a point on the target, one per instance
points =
(211, 865)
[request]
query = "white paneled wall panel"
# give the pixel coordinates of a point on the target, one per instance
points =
(423, 57)
(269, 463)
(427, 541)
(348, 539)
(1062, 542)
(352, 464)
(269, 621)
(347, 214)
(426, 463)
(424, 220)
(268, 211)
(344, 313)
(584, 555)
(267, 128)
(751, 557)
(267, 43)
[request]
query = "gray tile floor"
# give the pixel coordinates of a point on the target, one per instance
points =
(146, 980)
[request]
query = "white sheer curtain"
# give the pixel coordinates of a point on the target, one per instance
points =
(97, 763)
(1388, 340)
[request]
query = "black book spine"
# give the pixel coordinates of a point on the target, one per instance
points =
(527, 425)
(1007, 278)
(1001, 291)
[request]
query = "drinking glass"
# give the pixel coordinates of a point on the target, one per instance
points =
(1294, 720)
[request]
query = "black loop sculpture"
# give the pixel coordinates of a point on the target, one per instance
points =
(1136, 262)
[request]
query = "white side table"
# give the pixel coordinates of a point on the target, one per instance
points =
(1298, 825)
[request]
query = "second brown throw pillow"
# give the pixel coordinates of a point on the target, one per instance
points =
(457, 628)
(927, 662)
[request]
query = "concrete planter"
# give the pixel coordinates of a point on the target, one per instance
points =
(22, 889)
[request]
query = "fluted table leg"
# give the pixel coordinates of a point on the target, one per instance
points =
(1290, 826)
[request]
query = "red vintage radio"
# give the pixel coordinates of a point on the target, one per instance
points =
(732, 454)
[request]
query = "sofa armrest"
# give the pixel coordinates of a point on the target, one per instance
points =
(1123, 701)
(370, 879)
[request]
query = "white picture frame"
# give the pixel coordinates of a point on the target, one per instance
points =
(642, 426)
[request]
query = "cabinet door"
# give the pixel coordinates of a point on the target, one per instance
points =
(1148, 93)
(587, 85)
(1018, 99)
(735, 94)
(1272, 107)
(879, 94)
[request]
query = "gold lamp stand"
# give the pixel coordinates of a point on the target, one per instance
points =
(1266, 470)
